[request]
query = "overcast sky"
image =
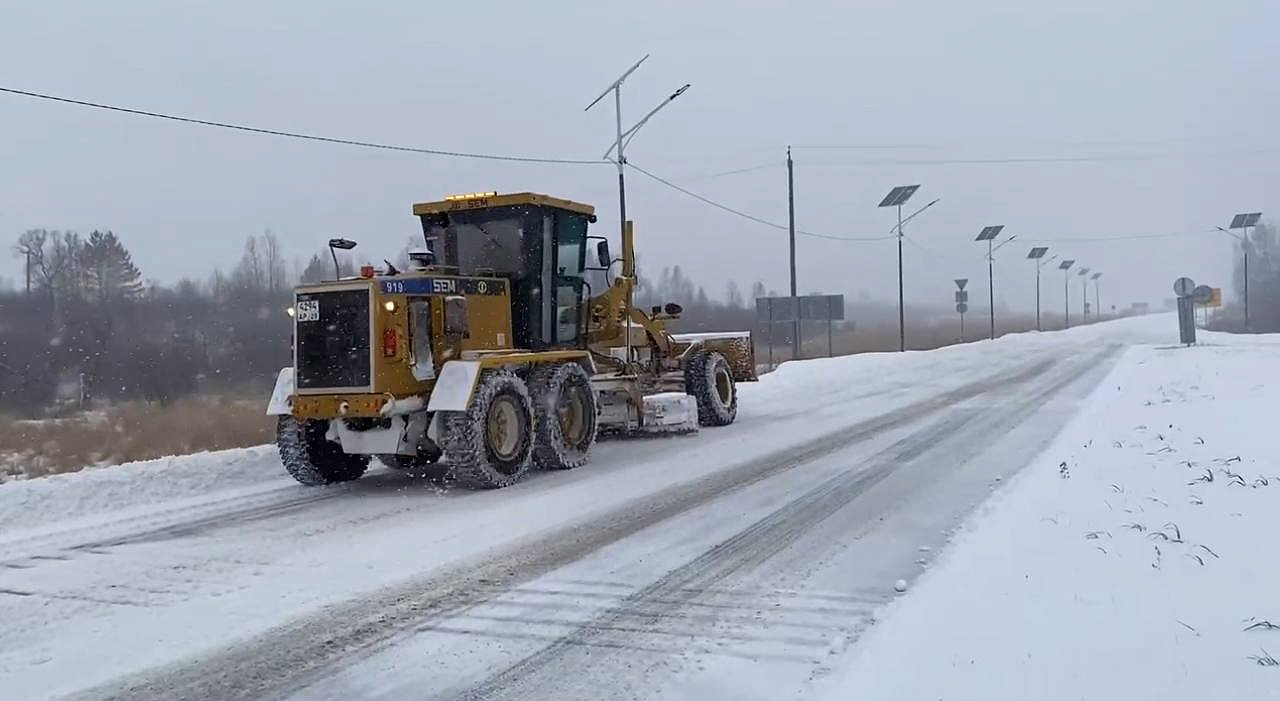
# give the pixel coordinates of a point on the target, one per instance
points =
(1162, 116)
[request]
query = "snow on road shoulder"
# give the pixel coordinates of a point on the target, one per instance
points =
(29, 505)
(1134, 559)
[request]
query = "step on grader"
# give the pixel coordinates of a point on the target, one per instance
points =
(509, 343)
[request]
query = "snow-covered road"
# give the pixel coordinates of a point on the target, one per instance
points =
(738, 563)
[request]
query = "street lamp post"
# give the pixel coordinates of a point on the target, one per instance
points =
(623, 138)
(896, 198)
(989, 234)
(1097, 303)
(1035, 255)
(1084, 295)
(1243, 222)
(1065, 267)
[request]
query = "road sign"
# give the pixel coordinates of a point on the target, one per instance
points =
(961, 282)
(1215, 300)
(962, 307)
(962, 296)
(808, 308)
(1202, 294)
(1184, 286)
(822, 308)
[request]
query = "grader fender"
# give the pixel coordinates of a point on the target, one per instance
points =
(454, 386)
(735, 346)
(279, 403)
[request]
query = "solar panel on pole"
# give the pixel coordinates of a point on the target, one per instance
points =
(896, 198)
(989, 232)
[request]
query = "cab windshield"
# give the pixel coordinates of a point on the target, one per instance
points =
(483, 242)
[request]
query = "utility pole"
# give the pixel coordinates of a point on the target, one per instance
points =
(791, 227)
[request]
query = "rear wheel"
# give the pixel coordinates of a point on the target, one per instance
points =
(707, 377)
(564, 413)
(311, 458)
(490, 444)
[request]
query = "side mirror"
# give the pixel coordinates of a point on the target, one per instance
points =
(602, 254)
(673, 309)
(456, 321)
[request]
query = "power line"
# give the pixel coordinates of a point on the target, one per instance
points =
(988, 161)
(1123, 237)
(297, 135)
(749, 217)
(736, 171)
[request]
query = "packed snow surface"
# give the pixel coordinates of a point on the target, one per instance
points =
(1134, 559)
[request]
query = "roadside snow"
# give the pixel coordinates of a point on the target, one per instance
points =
(1135, 559)
(31, 504)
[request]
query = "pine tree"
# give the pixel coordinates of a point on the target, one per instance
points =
(108, 270)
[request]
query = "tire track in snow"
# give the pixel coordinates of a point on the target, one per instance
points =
(566, 664)
(287, 656)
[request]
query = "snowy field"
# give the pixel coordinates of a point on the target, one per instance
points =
(758, 560)
(1134, 559)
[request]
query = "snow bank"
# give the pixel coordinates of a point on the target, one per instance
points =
(1134, 559)
(31, 504)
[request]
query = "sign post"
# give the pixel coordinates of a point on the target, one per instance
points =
(962, 302)
(1185, 288)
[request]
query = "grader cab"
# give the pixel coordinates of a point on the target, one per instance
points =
(505, 345)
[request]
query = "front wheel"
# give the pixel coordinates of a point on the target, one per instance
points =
(313, 459)
(708, 378)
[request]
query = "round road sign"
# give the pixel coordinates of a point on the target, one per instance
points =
(1184, 286)
(962, 307)
(1202, 294)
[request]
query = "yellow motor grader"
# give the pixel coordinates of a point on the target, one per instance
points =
(505, 345)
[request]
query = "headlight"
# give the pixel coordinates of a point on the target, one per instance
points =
(289, 311)
(389, 305)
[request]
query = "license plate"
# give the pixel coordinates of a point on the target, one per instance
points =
(309, 310)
